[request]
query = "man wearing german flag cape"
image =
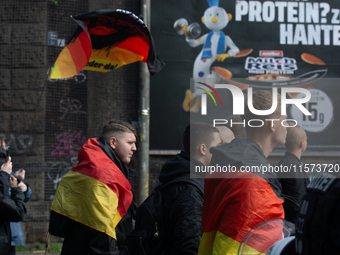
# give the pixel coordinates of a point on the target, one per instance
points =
(93, 205)
(237, 200)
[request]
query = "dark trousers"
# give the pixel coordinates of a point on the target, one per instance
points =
(12, 251)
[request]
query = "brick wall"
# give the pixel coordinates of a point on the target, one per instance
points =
(46, 122)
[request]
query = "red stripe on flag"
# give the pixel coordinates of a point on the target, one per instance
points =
(85, 41)
(102, 168)
(78, 53)
(236, 204)
(136, 45)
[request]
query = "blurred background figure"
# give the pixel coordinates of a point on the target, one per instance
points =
(226, 134)
(238, 129)
(12, 208)
(294, 183)
(317, 224)
(17, 235)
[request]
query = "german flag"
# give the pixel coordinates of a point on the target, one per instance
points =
(104, 41)
(233, 204)
(94, 192)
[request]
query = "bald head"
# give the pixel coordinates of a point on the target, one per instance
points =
(296, 139)
(238, 130)
(226, 134)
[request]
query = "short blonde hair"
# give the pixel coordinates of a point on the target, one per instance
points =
(113, 127)
(262, 100)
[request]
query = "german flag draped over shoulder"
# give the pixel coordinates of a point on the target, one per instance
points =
(94, 192)
(106, 40)
(231, 208)
(236, 201)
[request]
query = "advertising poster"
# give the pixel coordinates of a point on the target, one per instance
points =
(269, 45)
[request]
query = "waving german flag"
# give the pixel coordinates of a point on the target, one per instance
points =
(106, 40)
(94, 192)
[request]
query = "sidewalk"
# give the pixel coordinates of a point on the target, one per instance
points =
(36, 253)
(38, 248)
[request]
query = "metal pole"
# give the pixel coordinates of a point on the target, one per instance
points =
(144, 119)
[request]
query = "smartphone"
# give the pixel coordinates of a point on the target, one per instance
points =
(7, 153)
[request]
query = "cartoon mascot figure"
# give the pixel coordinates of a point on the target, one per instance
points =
(215, 45)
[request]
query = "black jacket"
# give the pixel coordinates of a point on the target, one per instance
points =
(12, 209)
(4, 176)
(293, 187)
(4, 184)
(80, 239)
(183, 203)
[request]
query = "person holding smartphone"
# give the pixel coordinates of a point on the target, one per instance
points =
(17, 235)
(12, 208)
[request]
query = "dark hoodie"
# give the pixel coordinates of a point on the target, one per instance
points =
(294, 187)
(183, 205)
(242, 153)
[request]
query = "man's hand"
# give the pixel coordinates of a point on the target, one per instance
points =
(22, 186)
(7, 167)
(20, 174)
(14, 182)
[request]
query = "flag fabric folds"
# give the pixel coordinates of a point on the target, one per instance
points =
(106, 40)
(94, 192)
(232, 207)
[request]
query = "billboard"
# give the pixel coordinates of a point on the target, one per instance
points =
(248, 44)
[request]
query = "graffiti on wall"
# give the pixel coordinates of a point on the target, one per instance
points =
(68, 144)
(70, 106)
(19, 142)
(57, 169)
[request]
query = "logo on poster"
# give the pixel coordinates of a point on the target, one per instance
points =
(271, 53)
(271, 65)
(239, 101)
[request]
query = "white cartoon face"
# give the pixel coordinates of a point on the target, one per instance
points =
(215, 18)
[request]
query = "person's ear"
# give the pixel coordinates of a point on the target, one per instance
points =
(202, 149)
(271, 125)
(301, 144)
(113, 142)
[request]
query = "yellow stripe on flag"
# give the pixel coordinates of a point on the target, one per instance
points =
(206, 244)
(55, 72)
(106, 59)
(65, 66)
(88, 201)
(216, 243)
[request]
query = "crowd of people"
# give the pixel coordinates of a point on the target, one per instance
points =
(94, 207)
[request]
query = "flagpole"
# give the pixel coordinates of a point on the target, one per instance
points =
(144, 119)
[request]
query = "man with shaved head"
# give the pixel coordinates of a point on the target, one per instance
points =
(226, 134)
(235, 123)
(182, 201)
(294, 183)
